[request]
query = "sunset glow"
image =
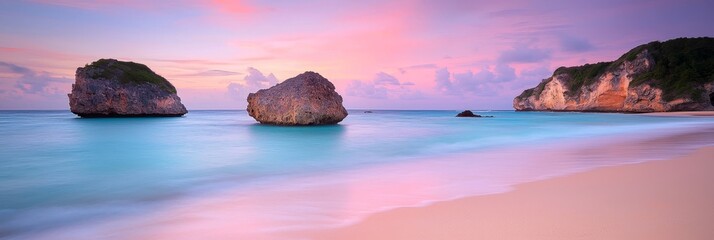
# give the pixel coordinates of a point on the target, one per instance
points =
(379, 54)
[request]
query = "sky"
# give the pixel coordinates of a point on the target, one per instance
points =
(447, 54)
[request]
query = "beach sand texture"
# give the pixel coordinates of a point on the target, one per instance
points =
(669, 199)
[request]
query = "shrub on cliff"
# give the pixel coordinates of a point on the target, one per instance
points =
(680, 66)
(127, 72)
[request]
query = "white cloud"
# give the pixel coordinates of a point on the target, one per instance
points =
(359, 88)
(24, 88)
(254, 81)
(28, 81)
(385, 79)
(382, 86)
(484, 82)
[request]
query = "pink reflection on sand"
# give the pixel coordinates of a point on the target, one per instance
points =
(283, 208)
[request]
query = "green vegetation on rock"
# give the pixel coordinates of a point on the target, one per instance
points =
(681, 66)
(582, 75)
(127, 72)
(536, 91)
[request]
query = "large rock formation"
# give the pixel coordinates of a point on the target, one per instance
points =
(676, 75)
(111, 88)
(307, 99)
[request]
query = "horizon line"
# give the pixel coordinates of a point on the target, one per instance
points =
(351, 109)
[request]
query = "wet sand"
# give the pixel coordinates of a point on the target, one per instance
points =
(668, 199)
(657, 199)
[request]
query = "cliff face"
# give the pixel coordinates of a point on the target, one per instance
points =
(656, 77)
(111, 88)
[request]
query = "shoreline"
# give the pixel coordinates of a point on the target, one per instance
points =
(346, 197)
(682, 114)
(663, 199)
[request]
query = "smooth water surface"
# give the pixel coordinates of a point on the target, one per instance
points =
(58, 171)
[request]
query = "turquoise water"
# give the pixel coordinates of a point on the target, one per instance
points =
(58, 171)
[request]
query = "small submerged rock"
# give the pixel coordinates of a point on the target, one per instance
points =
(112, 88)
(306, 99)
(469, 113)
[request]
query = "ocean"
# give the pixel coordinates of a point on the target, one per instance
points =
(64, 177)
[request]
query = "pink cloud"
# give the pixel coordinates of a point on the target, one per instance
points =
(382, 86)
(233, 6)
(24, 88)
(190, 61)
(254, 81)
(103, 4)
(488, 50)
(10, 49)
(37, 51)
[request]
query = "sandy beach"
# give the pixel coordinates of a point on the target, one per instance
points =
(369, 120)
(601, 182)
(669, 199)
(681, 114)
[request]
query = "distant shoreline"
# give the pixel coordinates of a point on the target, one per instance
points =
(682, 114)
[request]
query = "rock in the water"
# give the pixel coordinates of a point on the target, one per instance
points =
(675, 75)
(467, 113)
(307, 99)
(111, 88)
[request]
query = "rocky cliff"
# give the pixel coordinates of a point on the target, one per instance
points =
(676, 75)
(306, 99)
(111, 88)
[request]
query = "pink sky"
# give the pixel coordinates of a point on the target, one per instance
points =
(379, 54)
